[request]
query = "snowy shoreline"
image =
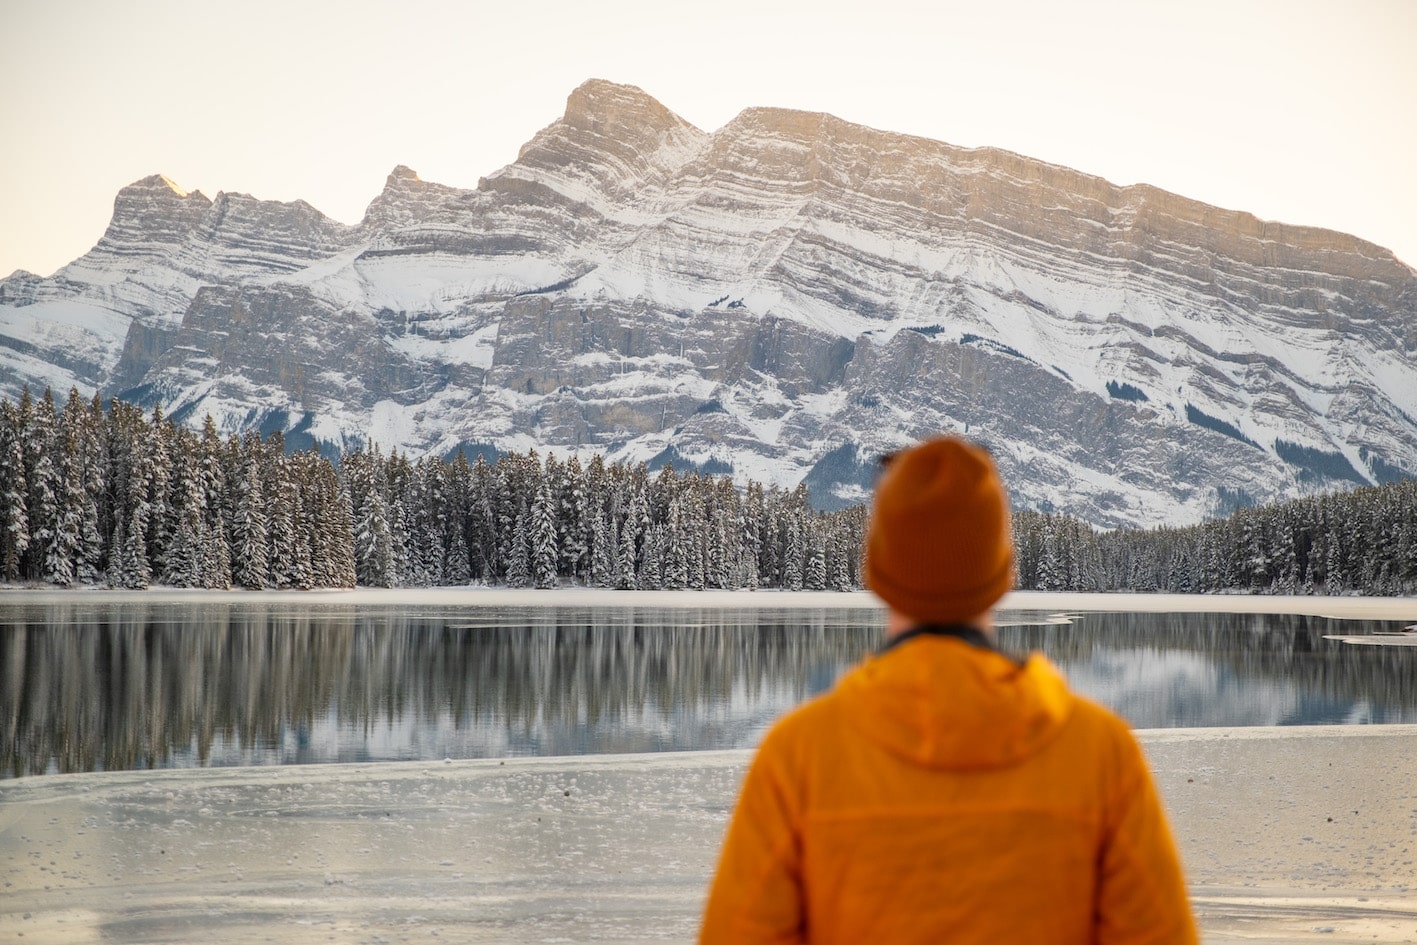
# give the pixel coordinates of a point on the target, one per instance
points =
(1286, 833)
(1366, 608)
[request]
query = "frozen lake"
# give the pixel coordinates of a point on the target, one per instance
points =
(101, 682)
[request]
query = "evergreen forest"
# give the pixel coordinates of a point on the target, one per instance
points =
(95, 495)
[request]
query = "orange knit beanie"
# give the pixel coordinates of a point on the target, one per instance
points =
(939, 548)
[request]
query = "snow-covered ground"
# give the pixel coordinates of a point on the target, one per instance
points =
(1288, 834)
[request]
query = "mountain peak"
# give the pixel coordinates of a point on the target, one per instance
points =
(404, 199)
(159, 186)
(153, 210)
(158, 182)
(604, 106)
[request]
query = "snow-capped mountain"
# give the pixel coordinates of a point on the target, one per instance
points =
(785, 298)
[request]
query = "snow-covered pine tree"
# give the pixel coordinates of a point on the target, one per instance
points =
(508, 499)
(1283, 555)
(116, 571)
(597, 497)
(14, 495)
(639, 517)
(839, 547)
(693, 522)
(120, 493)
(1405, 510)
(731, 525)
(519, 565)
(374, 542)
(651, 559)
(814, 576)
(602, 550)
(408, 518)
(327, 518)
(750, 543)
(482, 522)
(407, 569)
(770, 547)
(660, 493)
(42, 475)
(83, 483)
(182, 566)
(1089, 576)
(553, 481)
(182, 563)
(214, 542)
(675, 575)
(457, 569)
(1375, 538)
(625, 571)
(574, 527)
(135, 569)
(158, 443)
(794, 550)
(486, 566)
(250, 552)
(371, 530)
(544, 553)
(289, 545)
(60, 552)
(1051, 570)
(1334, 564)
(100, 462)
(332, 516)
(214, 558)
(427, 494)
(716, 557)
(1211, 562)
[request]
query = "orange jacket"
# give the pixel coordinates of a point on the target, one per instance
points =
(943, 793)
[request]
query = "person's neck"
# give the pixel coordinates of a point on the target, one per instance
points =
(898, 623)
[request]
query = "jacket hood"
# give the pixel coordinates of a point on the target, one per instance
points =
(943, 703)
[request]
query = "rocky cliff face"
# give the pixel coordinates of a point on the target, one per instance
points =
(783, 298)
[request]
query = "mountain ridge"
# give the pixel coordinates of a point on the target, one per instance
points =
(786, 297)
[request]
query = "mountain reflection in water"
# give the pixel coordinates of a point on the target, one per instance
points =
(1207, 670)
(88, 687)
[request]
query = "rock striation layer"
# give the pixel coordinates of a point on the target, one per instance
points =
(784, 298)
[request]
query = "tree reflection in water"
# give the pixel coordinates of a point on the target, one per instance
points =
(138, 686)
(89, 687)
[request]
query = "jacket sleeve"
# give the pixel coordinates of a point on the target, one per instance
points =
(1142, 897)
(756, 894)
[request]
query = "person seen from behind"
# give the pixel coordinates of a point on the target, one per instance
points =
(944, 791)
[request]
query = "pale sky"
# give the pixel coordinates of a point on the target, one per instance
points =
(1303, 111)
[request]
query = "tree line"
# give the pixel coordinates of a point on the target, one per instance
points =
(109, 495)
(1359, 541)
